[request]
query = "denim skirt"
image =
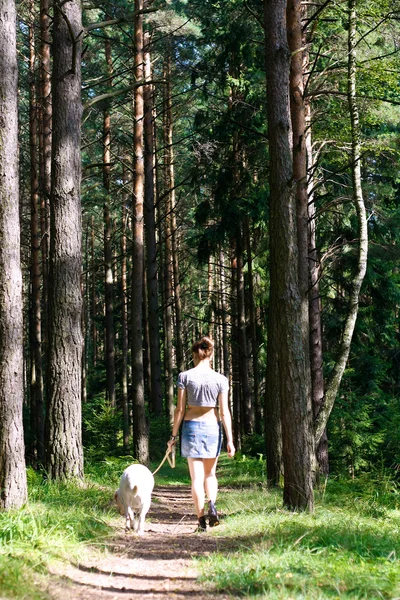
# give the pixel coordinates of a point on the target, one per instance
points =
(201, 439)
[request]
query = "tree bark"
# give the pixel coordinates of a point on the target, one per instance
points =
(64, 454)
(140, 429)
(36, 375)
(315, 308)
(253, 331)
(108, 250)
(225, 344)
(288, 356)
(272, 408)
(94, 290)
(151, 245)
(45, 135)
(246, 395)
(168, 257)
(297, 113)
(236, 389)
(124, 315)
(109, 350)
(308, 276)
(13, 486)
(169, 150)
(335, 378)
(210, 298)
(85, 316)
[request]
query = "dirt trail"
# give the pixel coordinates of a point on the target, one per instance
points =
(155, 566)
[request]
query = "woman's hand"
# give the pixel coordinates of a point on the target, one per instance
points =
(170, 444)
(231, 449)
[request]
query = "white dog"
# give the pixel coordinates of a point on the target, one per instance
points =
(133, 497)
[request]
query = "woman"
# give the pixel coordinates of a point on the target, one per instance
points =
(202, 393)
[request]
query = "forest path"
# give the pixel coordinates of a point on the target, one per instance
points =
(155, 566)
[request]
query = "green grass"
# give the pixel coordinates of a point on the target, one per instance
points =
(349, 548)
(59, 522)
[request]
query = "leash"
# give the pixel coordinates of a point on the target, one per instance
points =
(167, 457)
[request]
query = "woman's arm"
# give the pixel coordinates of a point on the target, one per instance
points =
(226, 421)
(178, 415)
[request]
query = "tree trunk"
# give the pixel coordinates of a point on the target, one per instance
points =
(210, 297)
(45, 156)
(124, 316)
(316, 356)
(151, 245)
(36, 376)
(246, 396)
(297, 113)
(172, 213)
(146, 340)
(85, 319)
(225, 345)
(253, 331)
(236, 389)
(109, 307)
(296, 14)
(140, 430)
(94, 290)
(64, 455)
(288, 349)
(168, 258)
(335, 378)
(272, 409)
(108, 250)
(13, 487)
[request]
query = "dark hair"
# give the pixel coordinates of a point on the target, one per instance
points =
(204, 347)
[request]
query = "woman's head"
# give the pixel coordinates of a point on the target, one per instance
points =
(203, 348)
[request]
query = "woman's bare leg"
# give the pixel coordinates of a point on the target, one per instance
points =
(210, 478)
(196, 468)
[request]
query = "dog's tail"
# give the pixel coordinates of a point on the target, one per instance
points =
(135, 490)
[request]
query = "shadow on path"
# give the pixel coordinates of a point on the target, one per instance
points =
(157, 565)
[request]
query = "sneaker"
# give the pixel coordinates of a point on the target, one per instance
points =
(213, 519)
(201, 526)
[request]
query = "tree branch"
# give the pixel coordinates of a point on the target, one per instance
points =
(254, 14)
(74, 38)
(315, 15)
(129, 19)
(114, 93)
(344, 94)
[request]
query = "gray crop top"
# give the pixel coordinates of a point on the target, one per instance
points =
(202, 386)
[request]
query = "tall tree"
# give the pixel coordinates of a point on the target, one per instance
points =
(13, 487)
(93, 290)
(124, 309)
(140, 430)
(315, 305)
(150, 232)
(168, 250)
(246, 392)
(314, 294)
(171, 209)
(64, 455)
(35, 329)
(306, 236)
(108, 250)
(236, 388)
(45, 118)
(253, 330)
(288, 351)
(335, 378)
(224, 316)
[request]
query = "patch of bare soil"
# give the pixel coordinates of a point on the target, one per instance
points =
(155, 566)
